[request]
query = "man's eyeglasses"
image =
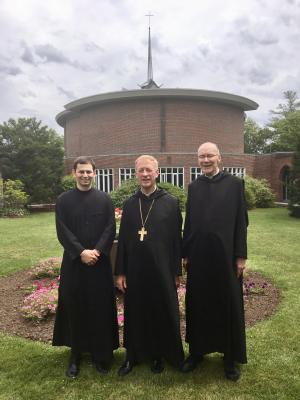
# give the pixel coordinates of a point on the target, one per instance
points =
(208, 156)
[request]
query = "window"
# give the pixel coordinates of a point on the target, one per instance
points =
(172, 175)
(194, 173)
(104, 179)
(126, 173)
(236, 171)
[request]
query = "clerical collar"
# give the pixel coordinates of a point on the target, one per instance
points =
(212, 176)
(149, 194)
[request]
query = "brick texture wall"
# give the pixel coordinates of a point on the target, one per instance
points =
(116, 133)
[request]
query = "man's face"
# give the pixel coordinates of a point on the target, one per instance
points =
(146, 173)
(84, 176)
(209, 159)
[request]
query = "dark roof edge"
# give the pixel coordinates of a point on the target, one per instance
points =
(196, 94)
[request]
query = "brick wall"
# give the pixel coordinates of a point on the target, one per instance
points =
(116, 133)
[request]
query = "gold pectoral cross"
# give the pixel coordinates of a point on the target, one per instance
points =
(142, 233)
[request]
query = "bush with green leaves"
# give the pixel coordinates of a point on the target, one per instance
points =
(261, 192)
(68, 182)
(14, 199)
(250, 197)
(129, 187)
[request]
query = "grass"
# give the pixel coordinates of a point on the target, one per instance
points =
(32, 370)
(24, 241)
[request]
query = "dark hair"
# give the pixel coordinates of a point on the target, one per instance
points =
(84, 160)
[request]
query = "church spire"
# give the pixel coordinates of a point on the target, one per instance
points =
(149, 84)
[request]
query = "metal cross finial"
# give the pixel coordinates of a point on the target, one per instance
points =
(149, 15)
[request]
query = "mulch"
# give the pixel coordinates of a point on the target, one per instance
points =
(258, 306)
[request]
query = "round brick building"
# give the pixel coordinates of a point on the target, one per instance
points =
(170, 124)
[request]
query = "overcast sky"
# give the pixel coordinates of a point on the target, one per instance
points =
(53, 52)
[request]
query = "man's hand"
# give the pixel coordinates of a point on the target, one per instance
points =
(89, 257)
(240, 266)
(121, 283)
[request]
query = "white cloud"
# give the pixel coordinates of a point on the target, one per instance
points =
(54, 52)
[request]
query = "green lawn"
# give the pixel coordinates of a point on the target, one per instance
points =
(30, 370)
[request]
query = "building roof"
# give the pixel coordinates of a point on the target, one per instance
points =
(174, 93)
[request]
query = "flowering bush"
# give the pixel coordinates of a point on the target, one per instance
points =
(42, 301)
(50, 267)
(118, 214)
(120, 310)
(181, 298)
(251, 287)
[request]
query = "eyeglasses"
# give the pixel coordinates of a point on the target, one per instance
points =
(208, 156)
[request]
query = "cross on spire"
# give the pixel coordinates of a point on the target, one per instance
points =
(149, 16)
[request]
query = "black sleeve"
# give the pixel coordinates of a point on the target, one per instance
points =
(104, 244)
(240, 234)
(66, 238)
(187, 226)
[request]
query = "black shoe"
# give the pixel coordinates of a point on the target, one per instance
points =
(102, 367)
(73, 368)
(231, 372)
(157, 366)
(190, 363)
(125, 368)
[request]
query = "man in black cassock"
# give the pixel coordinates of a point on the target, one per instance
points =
(215, 247)
(86, 318)
(148, 267)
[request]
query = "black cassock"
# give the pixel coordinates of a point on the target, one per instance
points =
(215, 234)
(86, 318)
(151, 327)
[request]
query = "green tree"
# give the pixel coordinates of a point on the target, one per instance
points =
(33, 154)
(286, 132)
(257, 140)
(285, 123)
(294, 194)
(281, 133)
(292, 104)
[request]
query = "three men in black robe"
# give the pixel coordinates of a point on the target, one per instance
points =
(215, 248)
(86, 319)
(148, 268)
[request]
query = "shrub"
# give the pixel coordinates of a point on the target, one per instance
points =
(48, 268)
(123, 192)
(260, 188)
(250, 197)
(41, 303)
(14, 199)
(68, 182)
(129, 187)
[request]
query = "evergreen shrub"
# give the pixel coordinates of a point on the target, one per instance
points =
(264, 197)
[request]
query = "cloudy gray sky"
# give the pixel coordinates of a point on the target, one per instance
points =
(52, 52)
